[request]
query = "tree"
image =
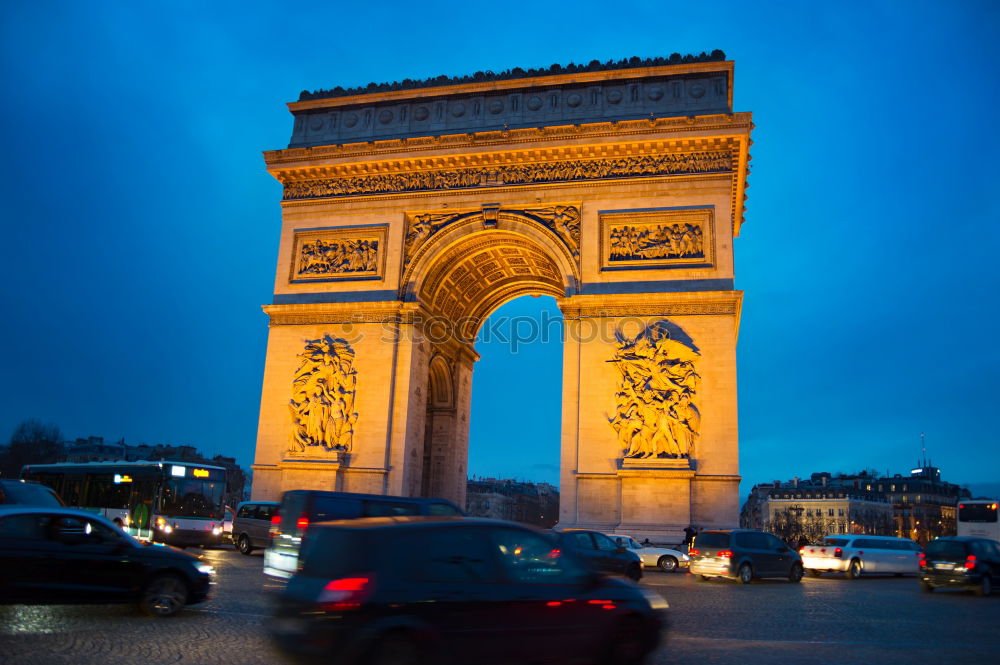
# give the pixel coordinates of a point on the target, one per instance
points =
(33, 442)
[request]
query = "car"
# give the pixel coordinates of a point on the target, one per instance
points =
(744, 555)
(227, 524)
(961, 562)
(301, 508)
(664, 558)
(856, 554)
(468, 591)
(252, 525)
(55, 555)
(29, 493)
(601, 553)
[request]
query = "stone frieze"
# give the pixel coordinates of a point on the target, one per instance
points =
(657, 238)
(322, 403)
(338, 253)
(718, 161)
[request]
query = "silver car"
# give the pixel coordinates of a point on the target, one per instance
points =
(665, 559)
(855, 554)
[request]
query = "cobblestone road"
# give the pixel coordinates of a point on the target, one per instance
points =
(883, 621)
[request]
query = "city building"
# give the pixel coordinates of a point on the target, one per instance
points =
(920, 506)
(506, 499)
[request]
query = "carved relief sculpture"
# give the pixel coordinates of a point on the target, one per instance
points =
(322, 403)
(345, 253)
(643, 239)
(564, 221)
(656, 415)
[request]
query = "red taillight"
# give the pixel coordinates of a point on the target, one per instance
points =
(822, 550)
(970, 562)
(725, 554)
(838, 553)
(345, 594)
(802, 551)
(923, 561)
(693, 552)
(275, 529)
(302, 523)
(555, 554)
(276, 521)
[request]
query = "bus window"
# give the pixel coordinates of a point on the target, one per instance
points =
(192, 497)
(977, 512)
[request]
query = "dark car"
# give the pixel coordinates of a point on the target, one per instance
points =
(54, 556)
(743, 554)
(961, 562)
(252, 524)
(601, 553)
(28, 493)
(301, 508)
(415, 590)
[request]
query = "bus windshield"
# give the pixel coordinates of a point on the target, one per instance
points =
(977, 512)
(192, 497)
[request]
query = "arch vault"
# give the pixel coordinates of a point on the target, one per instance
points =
(410, 215)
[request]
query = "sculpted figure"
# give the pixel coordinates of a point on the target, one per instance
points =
(322, 402)
(655, 413)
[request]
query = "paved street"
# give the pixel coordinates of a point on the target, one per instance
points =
(828, 620)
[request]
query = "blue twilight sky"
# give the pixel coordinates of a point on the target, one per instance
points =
(140, 228)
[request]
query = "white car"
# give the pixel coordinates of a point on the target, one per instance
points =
(665, 559)
(855, 554)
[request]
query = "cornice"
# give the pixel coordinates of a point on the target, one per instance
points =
(702, 303)
(344, 313)
(736, 124)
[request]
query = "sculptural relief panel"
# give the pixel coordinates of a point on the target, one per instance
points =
(656, 414)
(322, 403)
(340, 253)
(664, 238)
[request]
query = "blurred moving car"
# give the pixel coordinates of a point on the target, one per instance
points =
(664, 558)
(854, 554)
(252, 525)
(300, 508)
(601, 553)
(743, 554)
(53, 556)
(227, 524)
(28, 493)
(961, 562)
(467, 592)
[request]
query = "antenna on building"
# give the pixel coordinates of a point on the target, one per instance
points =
(923, 450)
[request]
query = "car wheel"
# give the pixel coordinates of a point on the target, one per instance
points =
(667, 564)
(854, 570)
(634, 572)
(985, 587)
(164, 596)
(243, 544)
(795, 574)
(746, 574)
(627, 645)
(394, 649)
(814, 573)
(927, 587)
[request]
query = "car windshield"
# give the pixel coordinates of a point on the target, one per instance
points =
(835, 542)
(191, 497)
(712, 540)
(634, 545)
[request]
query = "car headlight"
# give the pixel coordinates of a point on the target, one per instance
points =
(217, 530)
(655, 600)
(205, 569)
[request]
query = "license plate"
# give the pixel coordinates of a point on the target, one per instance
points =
(944, 566)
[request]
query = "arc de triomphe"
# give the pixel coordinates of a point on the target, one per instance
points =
(412, 212)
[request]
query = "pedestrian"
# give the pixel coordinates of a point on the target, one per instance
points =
(646, 543)
(689, 533)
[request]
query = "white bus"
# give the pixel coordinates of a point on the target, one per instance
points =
(179, 503)
(978, 517)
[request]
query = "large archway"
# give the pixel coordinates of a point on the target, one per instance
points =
(410, 215)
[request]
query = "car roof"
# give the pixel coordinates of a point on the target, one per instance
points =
(17, 509)
(404, 521)
(255, 503)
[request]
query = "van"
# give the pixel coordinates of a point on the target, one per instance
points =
(300, 508)
(252, 524)
(856, 554)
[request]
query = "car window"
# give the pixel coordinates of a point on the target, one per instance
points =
(835, 542)
(375, 508)
(773, 542)
(530, 558)
(21, 527)
(332, 508)
(951, 549)
(442, 509)
(581, 541)
(265, 512)
(604, 543)
(634, 545)
(245, 511)
(76, 530)
(458, 556)
(751, 541)
(712, 540)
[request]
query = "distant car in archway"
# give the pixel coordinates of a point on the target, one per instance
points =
(664, 558)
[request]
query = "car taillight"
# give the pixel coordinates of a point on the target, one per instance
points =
(923, 560)
(970, 562)
(302, 523)
(838, 553)
(693, 552)
(345, 594)
(275, 529)
(725, 554)
(802, 551)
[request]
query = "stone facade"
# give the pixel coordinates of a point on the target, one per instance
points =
(398, 241)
